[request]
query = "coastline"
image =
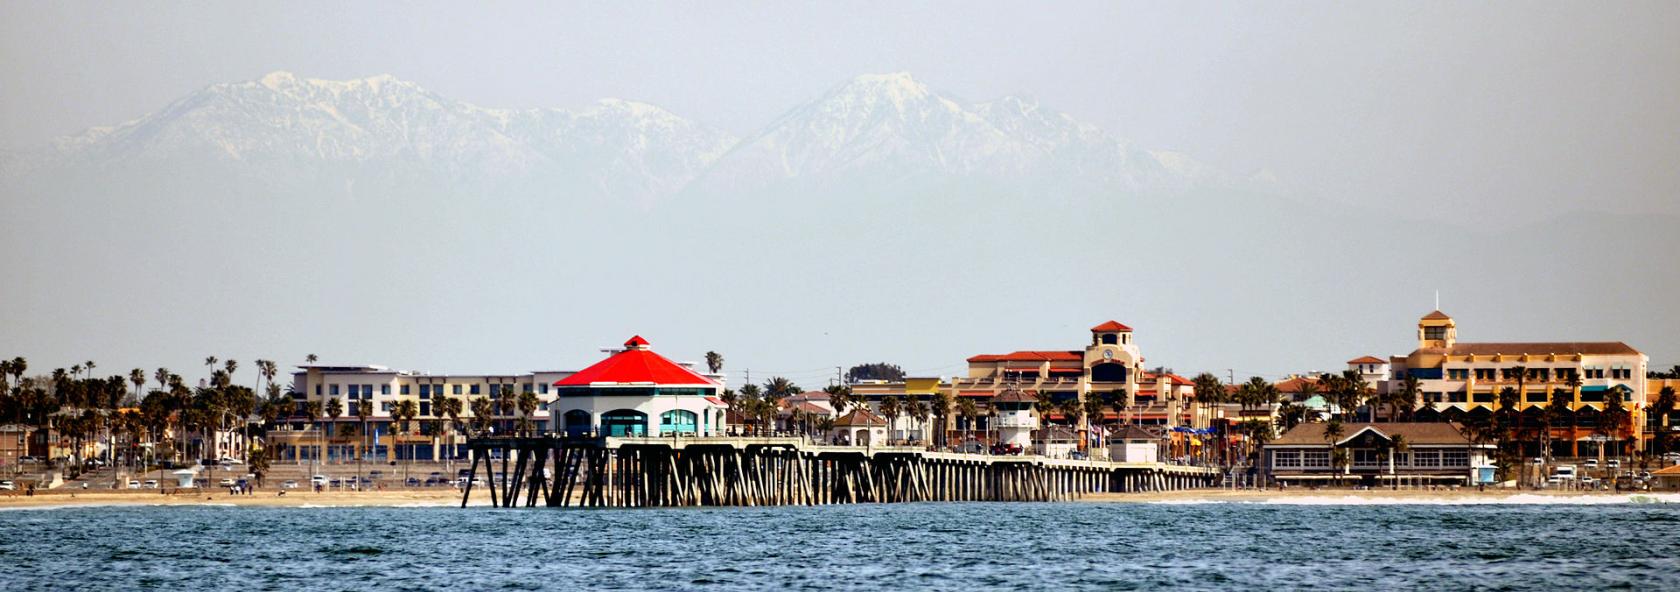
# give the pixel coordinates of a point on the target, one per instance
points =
(452, 498)
(298, 498)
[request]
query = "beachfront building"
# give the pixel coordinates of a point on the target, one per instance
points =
(1373, 454)
(859, 427)
(1659, 422)
(1463, 380)
(1134, 444)
(431, 435)
(636, 392)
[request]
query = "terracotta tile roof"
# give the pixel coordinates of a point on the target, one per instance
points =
(1110, 327)
(1600, 348)
(1367, 360)
(1415, 433)
(1436, 316)
(1293, 385)
(1015, 396)
(860, 418)
(1029, 356)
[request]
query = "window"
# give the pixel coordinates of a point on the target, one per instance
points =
(317, 390)
(1538, 396)
(385, 407)
(1426, 458)
(1366, 457)
(1485, 373)
(1286, 458)
(474, 389)
(425, 391)
(1484, 397)
(458, 389)
(355, 390)
(385, 389)
(425, 408)
(403, 389)
(334, 389)
(367, 390)
(1458, 374)
(544, 388)
(1110, 338)
(1455, 458)
(1539, 374)
(1315, 459)
(1435, 333)
(529, 387)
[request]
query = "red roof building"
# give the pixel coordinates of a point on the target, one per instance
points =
(637, 365)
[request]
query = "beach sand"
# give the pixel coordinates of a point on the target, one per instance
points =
(443, 496)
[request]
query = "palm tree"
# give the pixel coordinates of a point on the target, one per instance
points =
(839, 397)
(1071, 411)
(404, 413)
(311, 358)
(968, 410)
(482, 411)
(1209, 391)
(941, 413)
(88, 366)
(714, 361)
(1092, 409)
(364, 408)
(778, 388)
(1504, 421)
(1333, 433)
(891, 408)
(919, 410)
(138, 377)
(1406, 398)
(1663, 408)
(335, 408)
(1558, 409)
(450, 407)
(528, 404)
(312, 412)
(1398, 445)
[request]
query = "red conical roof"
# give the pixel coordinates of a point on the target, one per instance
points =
(635, 365)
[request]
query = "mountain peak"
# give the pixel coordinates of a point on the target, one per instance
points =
(897, 87)
(276, 79)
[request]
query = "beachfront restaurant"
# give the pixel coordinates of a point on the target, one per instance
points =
(636, 392)
(1376, 455)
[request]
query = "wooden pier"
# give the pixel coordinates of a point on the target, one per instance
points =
(733, 471)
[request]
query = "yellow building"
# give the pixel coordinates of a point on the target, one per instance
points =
(1465, 379)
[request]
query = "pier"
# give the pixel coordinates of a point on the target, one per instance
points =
(635, 472)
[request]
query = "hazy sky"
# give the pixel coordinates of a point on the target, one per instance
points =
(1474, 118)
(1499, 110)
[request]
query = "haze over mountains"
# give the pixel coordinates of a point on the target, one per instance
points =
(372, 220)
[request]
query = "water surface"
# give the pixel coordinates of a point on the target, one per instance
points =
(867, 547)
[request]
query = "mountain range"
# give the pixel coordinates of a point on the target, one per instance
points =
(282, 126)
(372, 220)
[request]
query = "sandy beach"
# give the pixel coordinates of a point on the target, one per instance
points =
(292, 498)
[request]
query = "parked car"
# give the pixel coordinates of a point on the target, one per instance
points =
(226, 482)
(412, 482)
(8, 486)
(1613, 464)
(289, 484)
(376, 473)
(1592, 463)
(318, 481)
(133, 484)
(150, 484)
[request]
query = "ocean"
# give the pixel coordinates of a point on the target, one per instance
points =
(1319, 544)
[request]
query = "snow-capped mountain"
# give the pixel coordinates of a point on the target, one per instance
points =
(621, 147)
(281, 126)
(893, 124)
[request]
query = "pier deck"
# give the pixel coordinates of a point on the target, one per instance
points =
(751, 471)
